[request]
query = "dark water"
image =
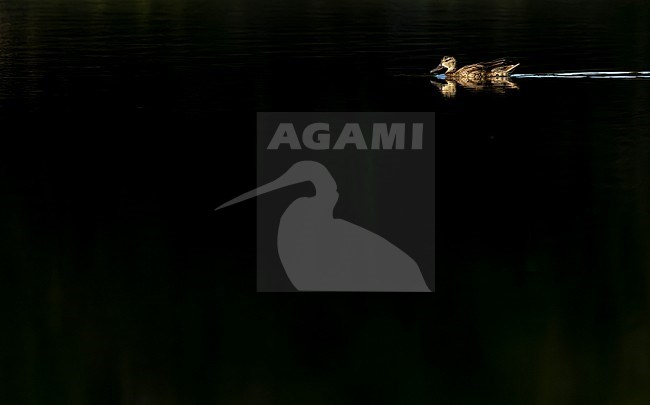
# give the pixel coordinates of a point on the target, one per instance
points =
(117, 122)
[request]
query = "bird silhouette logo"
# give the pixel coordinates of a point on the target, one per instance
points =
(323, 253)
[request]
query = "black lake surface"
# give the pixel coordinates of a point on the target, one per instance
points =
(124, 123)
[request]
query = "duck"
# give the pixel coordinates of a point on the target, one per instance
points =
(476, 71)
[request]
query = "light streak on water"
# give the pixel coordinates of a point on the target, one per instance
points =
(577, 75)
(585, 75)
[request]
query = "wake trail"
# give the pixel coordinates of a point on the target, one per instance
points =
(584, 75)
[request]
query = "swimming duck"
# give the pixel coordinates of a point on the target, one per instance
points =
(475, 72)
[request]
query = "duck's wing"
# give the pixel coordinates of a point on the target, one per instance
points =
(507, 69)
(484, 66)
(499, 67)
(493, 63)
(469, 71)
(477, 71)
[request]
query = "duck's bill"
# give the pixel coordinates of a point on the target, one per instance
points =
(437, 69)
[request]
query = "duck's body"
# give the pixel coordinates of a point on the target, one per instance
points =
(476, 71)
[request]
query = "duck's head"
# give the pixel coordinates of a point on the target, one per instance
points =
(447, 62)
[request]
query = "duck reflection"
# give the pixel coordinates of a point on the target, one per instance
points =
(448, 86)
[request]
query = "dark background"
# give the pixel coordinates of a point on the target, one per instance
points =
(116, 125)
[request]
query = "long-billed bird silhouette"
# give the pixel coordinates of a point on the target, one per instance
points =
(323, 253)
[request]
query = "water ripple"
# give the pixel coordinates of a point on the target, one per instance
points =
(585, 75)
